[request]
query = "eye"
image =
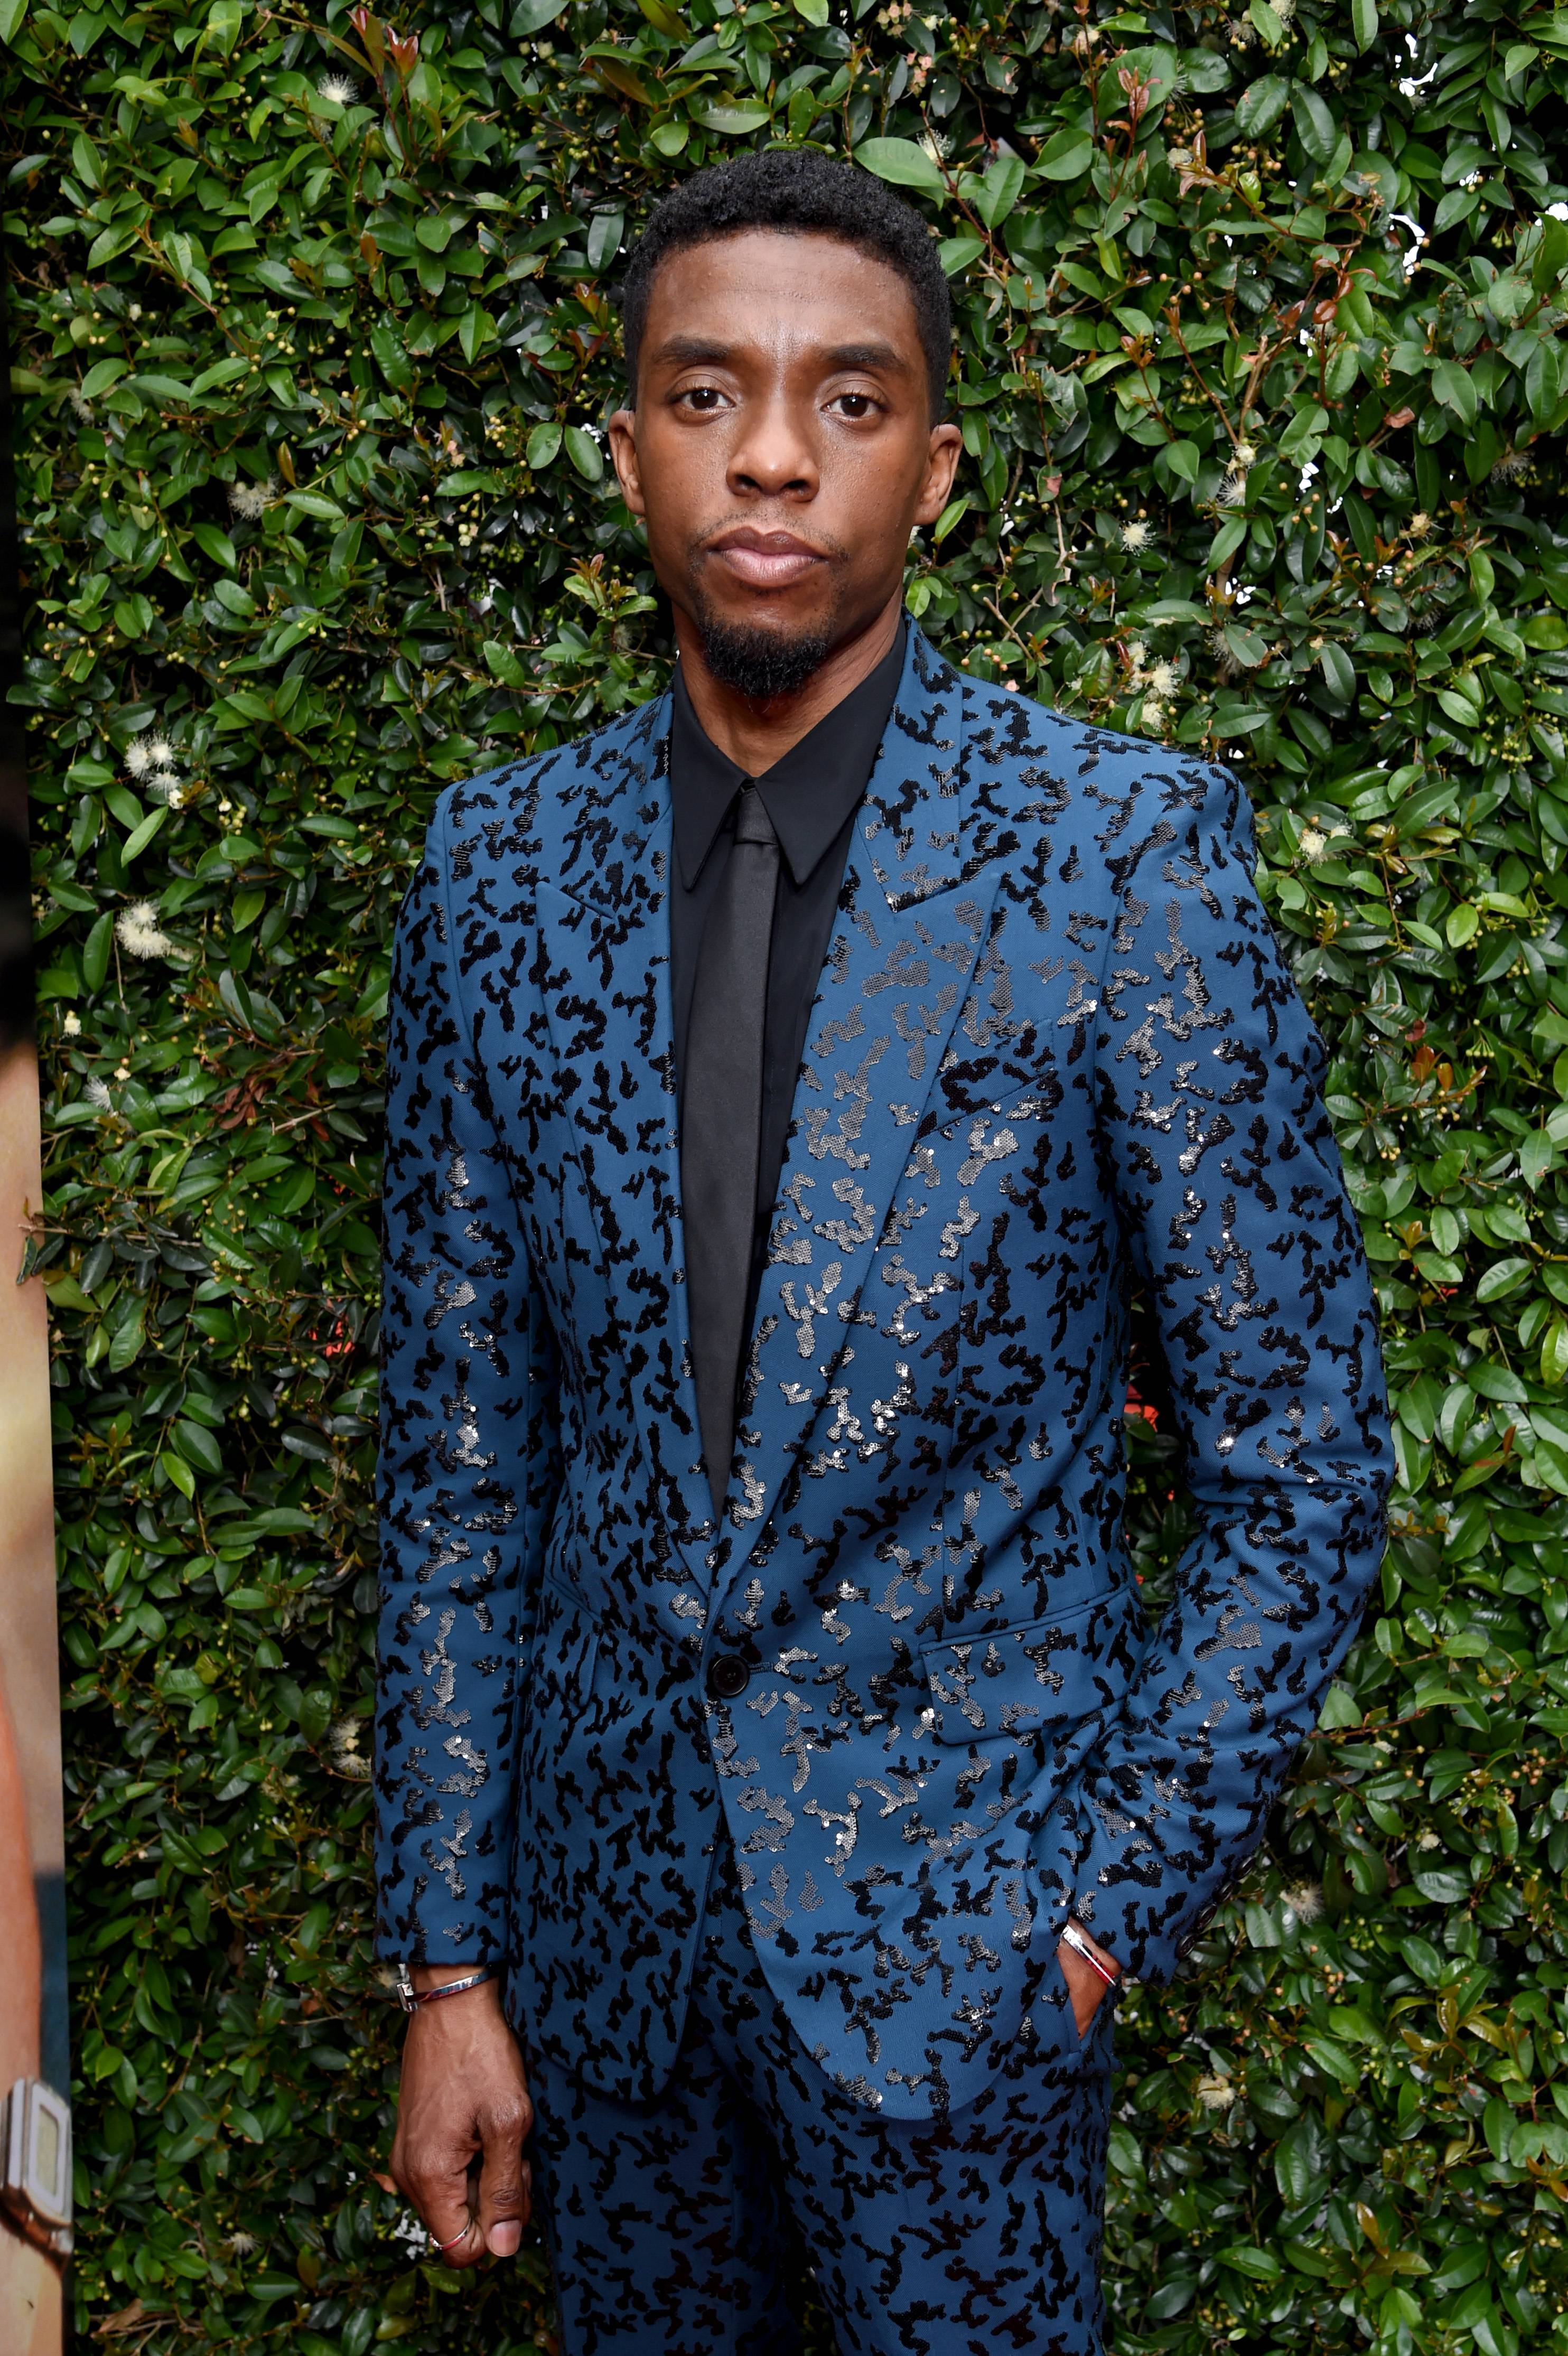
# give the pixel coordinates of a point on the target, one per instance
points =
(856, 406)
(703, 399)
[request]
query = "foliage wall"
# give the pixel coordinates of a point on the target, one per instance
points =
(1262, 390)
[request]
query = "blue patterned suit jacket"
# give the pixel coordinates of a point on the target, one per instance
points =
(1055, 1045)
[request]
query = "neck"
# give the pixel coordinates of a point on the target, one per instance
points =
(755, 732)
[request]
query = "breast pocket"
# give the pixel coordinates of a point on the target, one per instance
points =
(1047, 1677)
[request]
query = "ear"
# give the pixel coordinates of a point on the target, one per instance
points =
(942, 456)
(622, 431)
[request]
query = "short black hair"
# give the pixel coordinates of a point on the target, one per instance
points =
(797, 188)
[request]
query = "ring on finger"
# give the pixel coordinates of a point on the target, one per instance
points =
(460, 2235)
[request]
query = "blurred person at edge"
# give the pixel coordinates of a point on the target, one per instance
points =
(28, 2326)
(776, 1775)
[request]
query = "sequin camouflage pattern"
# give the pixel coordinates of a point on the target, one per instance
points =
(1054, 1045)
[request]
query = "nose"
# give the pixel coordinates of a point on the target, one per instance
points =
(774, 455)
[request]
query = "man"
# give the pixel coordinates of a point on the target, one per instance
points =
(785, 1082)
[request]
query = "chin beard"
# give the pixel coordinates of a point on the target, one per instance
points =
(761, 663)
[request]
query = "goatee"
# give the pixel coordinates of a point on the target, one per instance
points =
(761, 663)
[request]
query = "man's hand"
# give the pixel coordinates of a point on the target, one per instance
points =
(1083, 1982)
(464, 2097)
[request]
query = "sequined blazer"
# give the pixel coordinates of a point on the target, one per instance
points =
(1055, 1047)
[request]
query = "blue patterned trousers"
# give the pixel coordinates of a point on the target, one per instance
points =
(682, 2226)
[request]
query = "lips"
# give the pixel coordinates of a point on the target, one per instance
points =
(765, 560)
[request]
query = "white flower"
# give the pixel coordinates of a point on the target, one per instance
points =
(344, 1739)
(1557, 212)
(1216, 2093)
(1246, 453)
(336, 88)
(1471, 181)
(83, 408)
(249, 499)
(1418, 239)
(1306, 1900)
(1307, 475)
(241, 2245)
(1313, 846)
(96, 1093)
(1165, 679)
(1233, 488)
(137, 930)
(1135, 536)
(1154, 712)
(71, 1026)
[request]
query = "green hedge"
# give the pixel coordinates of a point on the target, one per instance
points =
(1261, 392)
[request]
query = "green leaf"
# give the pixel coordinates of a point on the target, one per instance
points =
(97, 951)
(731, 121)
(1339, 671)
(216, 544)
(956, 254)
(100, 377)
(224, 20)
(585, 454)
(1314, 125)
(1261, 2266)
(953, 513)
(140, 836)
(904, 164)
(1066, 154)
(1260, 105)
(314, 503)
(198, 1447)
(998, 192)
(1364, 22)
(543, 443)
(531, 16)
(11, 16)
(1454, 387)
(1504, 1276)
(503, 664)
(179, 1472)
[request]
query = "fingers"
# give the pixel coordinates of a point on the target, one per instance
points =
(463, 2119)
(504, 2183)
(434, 2175)
(1085, 1987)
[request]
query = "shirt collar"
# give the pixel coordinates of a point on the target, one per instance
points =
(808, 795)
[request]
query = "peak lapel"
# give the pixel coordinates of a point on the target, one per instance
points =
(605, 922)
(912, 917)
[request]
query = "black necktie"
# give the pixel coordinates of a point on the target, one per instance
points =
(722, 1122)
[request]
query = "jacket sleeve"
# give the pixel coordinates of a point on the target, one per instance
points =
(469, 1459)
(1233, 1211)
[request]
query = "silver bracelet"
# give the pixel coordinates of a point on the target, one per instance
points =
(1080, 1946)
(413, 1999)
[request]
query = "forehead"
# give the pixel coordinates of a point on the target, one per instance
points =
(775, 288)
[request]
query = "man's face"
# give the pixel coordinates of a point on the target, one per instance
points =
(781, 449)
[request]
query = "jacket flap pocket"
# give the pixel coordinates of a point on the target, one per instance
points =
(1053, 1672)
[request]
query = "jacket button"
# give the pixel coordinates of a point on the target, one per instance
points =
(727, 1677)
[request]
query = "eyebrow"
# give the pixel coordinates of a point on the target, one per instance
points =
(698, 351)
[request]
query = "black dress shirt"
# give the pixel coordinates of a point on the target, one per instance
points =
(810, 797)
